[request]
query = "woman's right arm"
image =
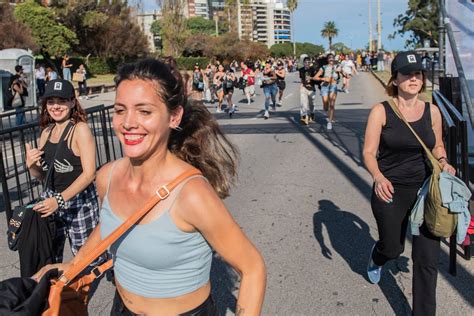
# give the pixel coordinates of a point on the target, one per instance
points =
(33, 156)
(318, 75)
(94, 238)
(383, 187)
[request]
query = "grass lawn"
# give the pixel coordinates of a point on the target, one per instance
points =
(100, 79)
(425, 96)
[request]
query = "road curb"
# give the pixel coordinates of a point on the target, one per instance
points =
(383, 83)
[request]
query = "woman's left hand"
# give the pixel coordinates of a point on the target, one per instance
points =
(449, 169)
(46, 207)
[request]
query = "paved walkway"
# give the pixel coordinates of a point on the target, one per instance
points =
(303, 198)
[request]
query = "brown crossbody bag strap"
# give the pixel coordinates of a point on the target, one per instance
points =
(434, 162)
(160, 194)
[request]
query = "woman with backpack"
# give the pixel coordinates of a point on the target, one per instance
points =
(329, 76)
(396, 160)
(198, 82)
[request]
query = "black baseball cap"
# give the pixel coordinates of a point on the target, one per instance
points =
(59, 88)
(406, 63)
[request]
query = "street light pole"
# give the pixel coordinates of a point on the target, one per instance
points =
(379, 27)
(370, 28)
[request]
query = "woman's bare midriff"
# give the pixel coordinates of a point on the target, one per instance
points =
(163, 306)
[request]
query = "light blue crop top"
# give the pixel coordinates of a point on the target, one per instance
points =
(157, 259)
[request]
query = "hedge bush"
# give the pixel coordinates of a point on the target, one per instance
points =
(187, 63)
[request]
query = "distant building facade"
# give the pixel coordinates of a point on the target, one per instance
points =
(145, 20)
(265, 21)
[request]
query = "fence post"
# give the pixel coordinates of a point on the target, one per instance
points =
(450, 87)
(103, 122)
(6, 193)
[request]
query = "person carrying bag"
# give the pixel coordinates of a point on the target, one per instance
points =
(31, 234)
(437, 218)
(400, 164)
(69, 293)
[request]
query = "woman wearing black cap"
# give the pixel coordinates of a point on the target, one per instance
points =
(396, 161)
(71, 196)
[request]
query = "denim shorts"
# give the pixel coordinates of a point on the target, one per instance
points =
(326, 90)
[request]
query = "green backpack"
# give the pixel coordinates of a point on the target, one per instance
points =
(437, 218)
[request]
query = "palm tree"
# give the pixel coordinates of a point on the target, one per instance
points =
(292, 5)
(329, 31)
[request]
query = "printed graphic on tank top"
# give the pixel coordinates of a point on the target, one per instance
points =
(67, 166)
(401, 158)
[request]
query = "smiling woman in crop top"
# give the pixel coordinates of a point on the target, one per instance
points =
(162, 264)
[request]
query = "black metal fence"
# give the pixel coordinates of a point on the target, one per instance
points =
(18, 187)
(455, 138)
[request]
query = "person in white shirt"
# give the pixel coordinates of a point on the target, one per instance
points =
(348, 70)
(40, 76)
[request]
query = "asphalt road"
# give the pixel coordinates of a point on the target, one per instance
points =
(303, 198)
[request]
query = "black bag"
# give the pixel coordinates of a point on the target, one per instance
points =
(24, 296)
(14, 223)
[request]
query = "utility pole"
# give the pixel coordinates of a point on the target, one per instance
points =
(216, 19)
(370, 28)
(379, 27)
(441, 35)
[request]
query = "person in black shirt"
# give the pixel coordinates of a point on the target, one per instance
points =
(307, 91)
(71, 197)
(397, 163)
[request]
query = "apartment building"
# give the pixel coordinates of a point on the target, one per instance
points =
(265, 21)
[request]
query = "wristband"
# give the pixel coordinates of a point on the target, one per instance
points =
(59, 198)
(441, 158)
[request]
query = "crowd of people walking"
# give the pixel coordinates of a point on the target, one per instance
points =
(173, 148)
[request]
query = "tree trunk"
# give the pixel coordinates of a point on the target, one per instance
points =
(330, 43)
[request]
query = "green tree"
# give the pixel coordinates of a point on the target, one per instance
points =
(329, 31)
(105, 29)
(292, 5)
(53, 38)
(14, 34)
(200, 25)
(420, 21)
(174, 32)
(156, 28)
(341, 48)
(286, 49)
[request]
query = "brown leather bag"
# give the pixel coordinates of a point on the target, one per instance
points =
(69, 294)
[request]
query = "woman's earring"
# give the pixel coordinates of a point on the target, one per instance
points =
(178, 128)
(395, 84)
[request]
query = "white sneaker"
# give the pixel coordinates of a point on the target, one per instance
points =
(266, 115)
(329, 126)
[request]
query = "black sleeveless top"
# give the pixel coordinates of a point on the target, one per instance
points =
(67, 166)
(401, 157)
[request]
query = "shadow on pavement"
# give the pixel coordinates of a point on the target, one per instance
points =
(349, 236)
(224, 282)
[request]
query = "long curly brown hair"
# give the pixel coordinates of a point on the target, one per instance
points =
(77, 114)
(201, 142)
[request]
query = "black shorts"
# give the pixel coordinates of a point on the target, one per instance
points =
(281, 84)
(208, 308)
(198, 86)
(228, 90)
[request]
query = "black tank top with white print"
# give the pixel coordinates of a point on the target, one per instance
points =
(67, 166)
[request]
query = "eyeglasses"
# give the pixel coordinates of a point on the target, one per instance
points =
(60, 102)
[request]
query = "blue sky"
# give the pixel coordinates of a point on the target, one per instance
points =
(350, 17)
